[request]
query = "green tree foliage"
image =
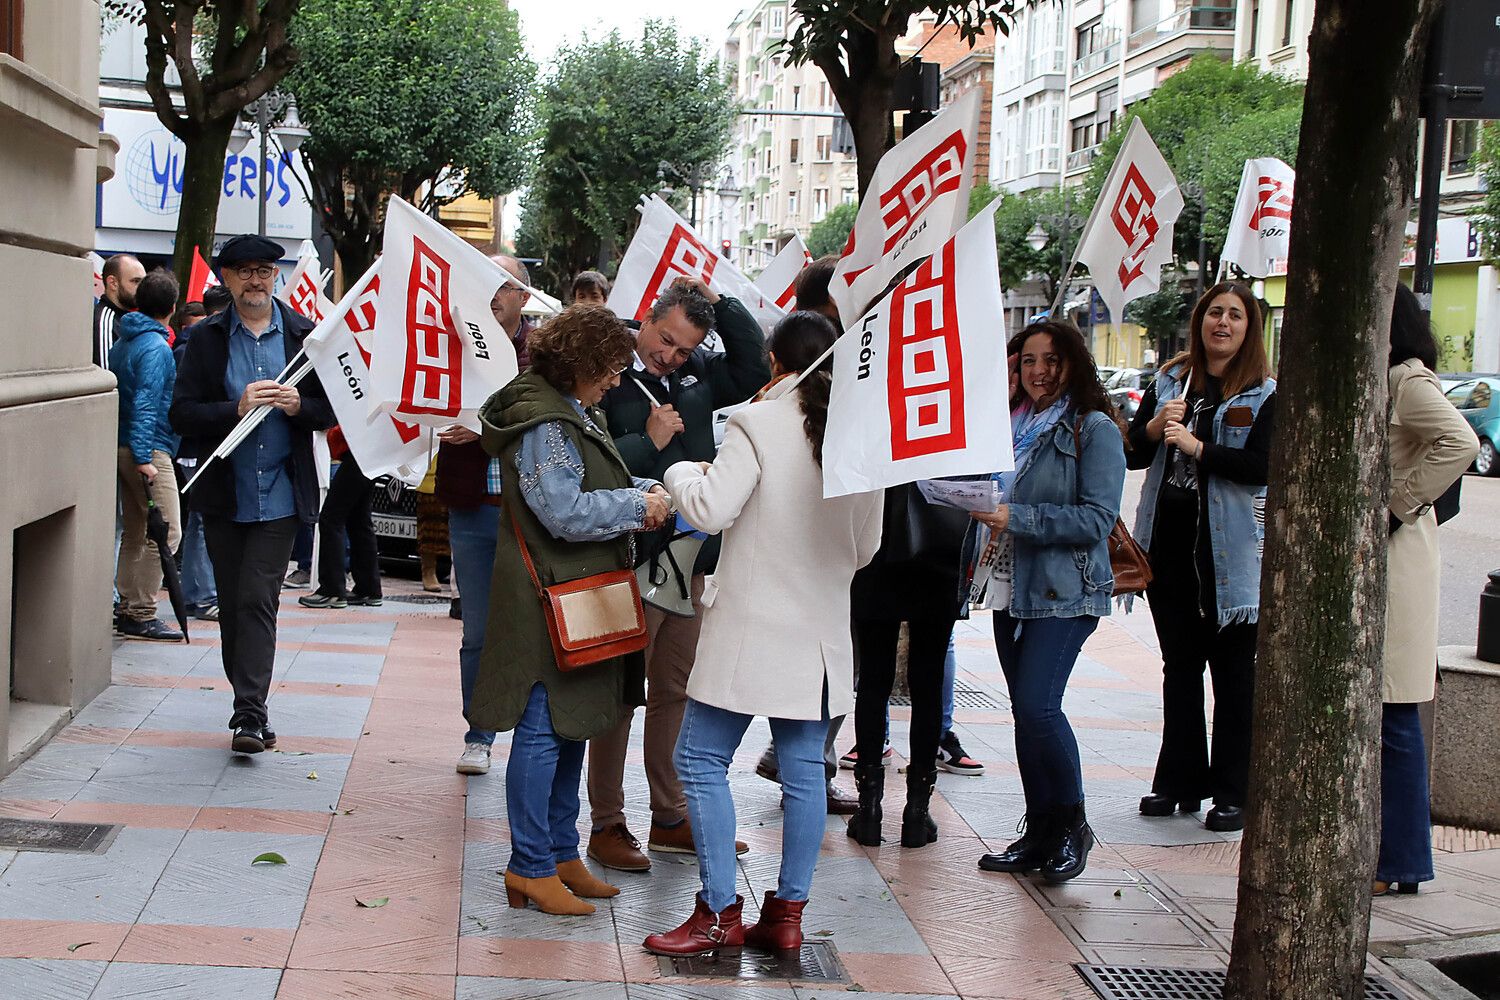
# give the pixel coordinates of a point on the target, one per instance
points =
(224, 56)
(611, 113)
(1014, 220)
(831, 233)
(1487, 164)
(425, 103)
(1207, 120)
(854, 43)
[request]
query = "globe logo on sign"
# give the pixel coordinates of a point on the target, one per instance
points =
(153, 172)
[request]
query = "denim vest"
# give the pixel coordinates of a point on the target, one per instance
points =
(1232, 522)
(1062, 507)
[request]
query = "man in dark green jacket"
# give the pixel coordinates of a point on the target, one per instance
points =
(662, 412)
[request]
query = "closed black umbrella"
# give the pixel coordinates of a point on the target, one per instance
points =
(156, 530)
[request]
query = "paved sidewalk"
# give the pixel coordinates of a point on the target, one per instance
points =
(363, 802)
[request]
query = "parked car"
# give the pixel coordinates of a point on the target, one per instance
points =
(1126, 387)
(1478, 399)
(393, 510)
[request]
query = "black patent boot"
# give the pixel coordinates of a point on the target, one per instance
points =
(1071, 854)
(917, 826)
(1030, 852)
(864, 825)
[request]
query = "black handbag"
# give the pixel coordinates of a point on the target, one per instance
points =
(920, 532)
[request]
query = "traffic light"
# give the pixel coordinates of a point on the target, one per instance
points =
(724, 248)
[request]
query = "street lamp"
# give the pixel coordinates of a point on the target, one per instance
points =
(696, 180)
(290, 134)
(1066, 222)
(1037, 238)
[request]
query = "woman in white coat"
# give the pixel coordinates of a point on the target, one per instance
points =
(1430, 446)
(775, 638)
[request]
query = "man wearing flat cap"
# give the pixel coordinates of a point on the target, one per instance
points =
(253, 502)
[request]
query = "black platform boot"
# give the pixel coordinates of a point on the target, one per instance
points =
(1071, 855)
(917, 827)
(864, 825)
(1037, 843)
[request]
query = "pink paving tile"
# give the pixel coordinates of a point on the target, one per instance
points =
(152, 817)
(178, 944)
(239, 820)
(307, 984)
(319, 687)
(341, 937)
(516, 958)
(339, 647)
(1012, 980)
(103, 735)
(54, 938)
(29, 808)
(882, 973)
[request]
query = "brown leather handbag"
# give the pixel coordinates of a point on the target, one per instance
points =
(1127, 560)
(593, 618)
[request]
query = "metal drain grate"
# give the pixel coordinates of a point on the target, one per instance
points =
(816, 961)
(963, 697)
(418, 599)
(1113, 982)
(55, 836)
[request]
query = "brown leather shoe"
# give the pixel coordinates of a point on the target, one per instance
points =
(614, 847)
(840, 804)
(704, 931)
(584, 883)
(679, 840)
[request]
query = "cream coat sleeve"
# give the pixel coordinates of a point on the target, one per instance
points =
(710, 501)
(1421, 409)
(867, 541)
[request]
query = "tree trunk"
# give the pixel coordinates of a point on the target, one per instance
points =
(1309, 847)
(357, 251)
(202, 182)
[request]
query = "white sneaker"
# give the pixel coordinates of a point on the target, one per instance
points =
(475, 759)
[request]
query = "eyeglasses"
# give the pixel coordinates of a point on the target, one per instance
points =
(249, 271)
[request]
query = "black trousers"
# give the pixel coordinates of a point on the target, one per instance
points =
(345, 519)
(249, 563)
(1190, 638)
(875, 662)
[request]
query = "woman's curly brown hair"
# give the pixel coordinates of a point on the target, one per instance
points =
(579, 345)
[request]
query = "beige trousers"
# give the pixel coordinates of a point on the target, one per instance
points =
(669, 662)
(138, 575)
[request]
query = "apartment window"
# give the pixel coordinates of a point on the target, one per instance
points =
(10, 27)
(848, 196)
(825, 147)
(796, 98)
(1463, 136)
(794, 150)
(1254, 28)
(1286, 21)
(766, 161)
(1082, 134)
(823, 94)
(791, 203)
(1144, 14)
(778, 20)
(820, 204)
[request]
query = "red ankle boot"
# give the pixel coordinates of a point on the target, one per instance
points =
(704, 931)
(780, 925)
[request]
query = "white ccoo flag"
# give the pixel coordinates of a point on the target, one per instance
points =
(666, 248)
(340, 351)
(1261, 228)
(1129, 233)
(304, 290)
(438, 351)
(919, 381)
(778, 281)
(918, 198)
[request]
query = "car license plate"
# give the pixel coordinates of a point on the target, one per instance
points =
(395, 527)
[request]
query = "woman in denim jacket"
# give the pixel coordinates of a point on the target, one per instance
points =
(1204, 431)
(1043, 566)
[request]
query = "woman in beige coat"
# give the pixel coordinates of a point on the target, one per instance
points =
(1430, 446)
(775, 638)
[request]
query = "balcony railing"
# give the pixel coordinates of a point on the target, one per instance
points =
(1047, 61)
(1196, 18)
(1096, 60)
(1080, 158)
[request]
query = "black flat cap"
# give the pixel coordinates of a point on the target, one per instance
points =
(245, 249)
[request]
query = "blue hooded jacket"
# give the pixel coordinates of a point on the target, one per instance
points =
(142, 362)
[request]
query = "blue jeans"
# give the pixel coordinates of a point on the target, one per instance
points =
(705, 746)
(950, 675)
(198, 587)
(1036, 664)
(471, 536)
(1405, 817)
(541, 792)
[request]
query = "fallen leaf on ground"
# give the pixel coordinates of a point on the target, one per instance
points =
(312, 775)
(269, 858)
(81, 944)
(822, 933)
(371, 904)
